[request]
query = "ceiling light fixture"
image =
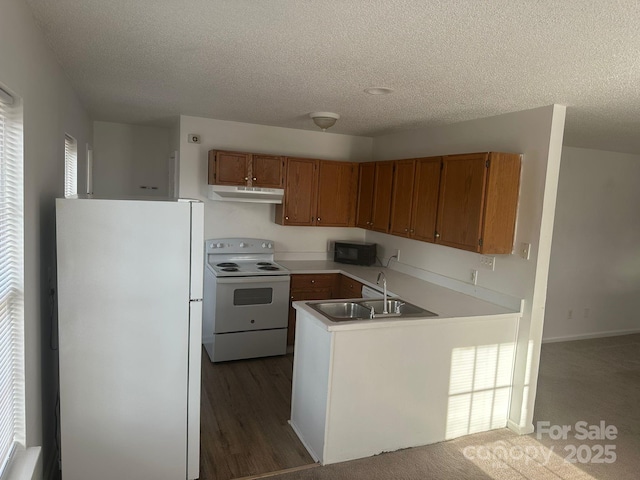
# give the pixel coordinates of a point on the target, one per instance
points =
(378, 90)
(324, 119)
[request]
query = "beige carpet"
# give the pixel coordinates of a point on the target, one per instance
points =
(591, 381)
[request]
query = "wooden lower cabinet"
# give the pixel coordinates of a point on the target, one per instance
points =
(309, 287)
(321, 286)
(349, 288)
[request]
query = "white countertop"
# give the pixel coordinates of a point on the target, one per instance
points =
(447, 303)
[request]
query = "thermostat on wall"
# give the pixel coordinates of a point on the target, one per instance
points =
(193, 138)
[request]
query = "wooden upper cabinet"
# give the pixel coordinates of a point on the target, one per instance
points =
(374, 196)
(426, 188)
(402, 198)
(414, 203)
(267, 171)
(366, 180)
(300, 193)
(318, 192)
(228, 168)
(337, 193)
(478, 202)
(245, 169)
(383, 186)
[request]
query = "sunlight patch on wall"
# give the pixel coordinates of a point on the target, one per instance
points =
(479, 388)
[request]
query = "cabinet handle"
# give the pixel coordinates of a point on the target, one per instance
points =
(246, 178)
(406, 229)
(411, 231)
(254, 179)
(286, 218)
(313, 281)
(437, 235)
(318, 218)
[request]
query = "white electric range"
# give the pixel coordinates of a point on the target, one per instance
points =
(246, 300)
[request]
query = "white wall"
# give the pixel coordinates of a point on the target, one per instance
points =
(538, 135)
(233, 219)
(126, 157)
(51, 109)
(595, 257)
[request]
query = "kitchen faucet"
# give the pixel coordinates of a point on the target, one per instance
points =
(385, 309)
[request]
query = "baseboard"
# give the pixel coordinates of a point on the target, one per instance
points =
(304, 443)
(514, 427)
(587, 336)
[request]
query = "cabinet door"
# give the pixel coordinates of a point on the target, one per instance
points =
(501, 203)
(402, 198)
(267, 171)
(366, 180)
(425, 198)
(461, 202)
(230, 168)
(337, 189)
(349, 288)
(309, 287)
(300, 194)
(383, 186)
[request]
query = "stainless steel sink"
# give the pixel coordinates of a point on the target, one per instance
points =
(341, 311)
(368, 309)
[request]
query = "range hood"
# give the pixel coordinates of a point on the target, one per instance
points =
(229, 193)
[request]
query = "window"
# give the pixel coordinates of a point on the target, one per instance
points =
(70, 166)
(12, 424)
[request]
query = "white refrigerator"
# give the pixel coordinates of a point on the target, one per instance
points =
(130, 324)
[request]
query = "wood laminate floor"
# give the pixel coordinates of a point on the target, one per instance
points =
(245, 410)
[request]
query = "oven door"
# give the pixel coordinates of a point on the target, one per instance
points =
(251, 303)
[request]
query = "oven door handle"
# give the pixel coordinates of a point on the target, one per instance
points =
(254, 279)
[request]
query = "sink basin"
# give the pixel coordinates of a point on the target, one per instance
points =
(341, 311)
(361, 310)
(397, 308)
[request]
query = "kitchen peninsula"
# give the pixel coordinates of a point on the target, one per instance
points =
(364, 387)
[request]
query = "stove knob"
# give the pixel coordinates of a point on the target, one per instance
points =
(242, 244)
(269, 245)
(264, 244)
(212, 245)
(220, 245)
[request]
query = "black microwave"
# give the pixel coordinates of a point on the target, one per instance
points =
(355, 253)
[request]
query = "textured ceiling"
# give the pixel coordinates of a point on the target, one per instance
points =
(272, 62)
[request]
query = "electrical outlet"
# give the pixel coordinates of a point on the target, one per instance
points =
(193, 138)
(488, 262)
(570, 315)
(397, 254)
(474, 277)
(525, 250)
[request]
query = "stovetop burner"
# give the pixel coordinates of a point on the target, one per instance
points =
(242, 257)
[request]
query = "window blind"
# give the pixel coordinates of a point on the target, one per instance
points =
(12, 422)
(70, 166)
